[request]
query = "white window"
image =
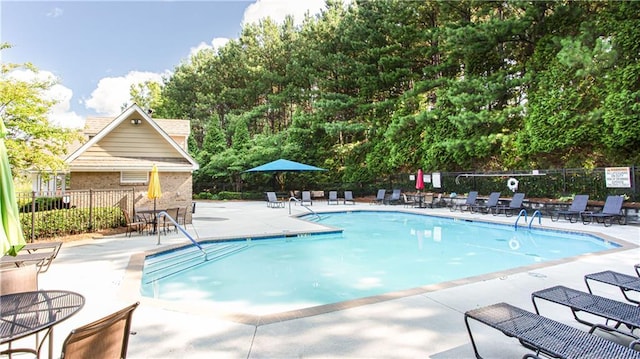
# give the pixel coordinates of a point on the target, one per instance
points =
(134, 177)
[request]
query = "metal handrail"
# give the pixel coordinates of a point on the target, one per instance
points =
(533, 216)
(302, 205)
(522, 211)
(184, 231)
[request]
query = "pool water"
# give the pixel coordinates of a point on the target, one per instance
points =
(378, 252)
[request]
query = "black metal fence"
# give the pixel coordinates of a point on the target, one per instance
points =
(554, 183)
(51, 214)
(550, 183)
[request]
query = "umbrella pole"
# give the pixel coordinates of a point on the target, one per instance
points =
(155, 217)
(155, 221)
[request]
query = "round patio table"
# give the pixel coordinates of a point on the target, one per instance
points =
(26, 313)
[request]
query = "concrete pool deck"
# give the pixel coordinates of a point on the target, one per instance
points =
(427, 325)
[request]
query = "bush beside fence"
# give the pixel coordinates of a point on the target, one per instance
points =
(53, 214)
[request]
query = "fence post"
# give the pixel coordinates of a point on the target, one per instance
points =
(33, 216)
(133, 201)
(634, 186)
(90, 210)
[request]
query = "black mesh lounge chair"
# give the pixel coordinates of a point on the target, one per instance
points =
(380, 196)
(611, 211)
(273, 202)
(626, 283)
(515, 205)
(574, 213)
(333, 197)
(609, 309)
(394, 198)
(494, 197)
(348, 198)
(545, 336)
(468, 203)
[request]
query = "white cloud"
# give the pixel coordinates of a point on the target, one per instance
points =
(216, 43)
(113, 92)
(277, 10)
(55, 12)
(59, 114)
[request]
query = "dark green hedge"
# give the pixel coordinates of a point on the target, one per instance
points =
(61, 222)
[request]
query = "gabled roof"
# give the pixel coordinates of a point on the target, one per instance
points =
(78, 162)
(173, 127)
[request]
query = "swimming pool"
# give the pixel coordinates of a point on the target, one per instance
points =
(377, 253)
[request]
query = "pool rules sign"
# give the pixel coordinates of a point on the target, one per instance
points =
(618, 177)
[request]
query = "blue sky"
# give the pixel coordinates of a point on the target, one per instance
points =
(96, 49)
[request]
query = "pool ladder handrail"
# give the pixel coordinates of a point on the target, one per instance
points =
(522, 212)
(533, 216)
(184, 231)
(302, 205)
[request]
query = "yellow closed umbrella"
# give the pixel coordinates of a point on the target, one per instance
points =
(154, 192)
(10, 229)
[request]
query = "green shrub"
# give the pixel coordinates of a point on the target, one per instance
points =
(44, 204)
(229, 195)
(60, 222)
(205, 195)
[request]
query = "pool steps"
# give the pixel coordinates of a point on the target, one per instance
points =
(168, 264)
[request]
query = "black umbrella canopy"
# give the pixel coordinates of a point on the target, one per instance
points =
(283, 165)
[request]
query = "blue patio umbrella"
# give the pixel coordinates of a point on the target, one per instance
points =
(283, 165)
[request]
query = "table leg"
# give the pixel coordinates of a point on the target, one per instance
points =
(51, 343)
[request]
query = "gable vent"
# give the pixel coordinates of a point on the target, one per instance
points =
(134, 177)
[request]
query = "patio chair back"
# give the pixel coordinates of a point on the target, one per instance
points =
(105, 338)
(579, 203)
(133, 225)
(168, 224)
(471, 199)
(381, 194)
(271, 197)
(494, 197)
(516, 201)
(19, 279)
(348, 197)
(306, 197)
(333, 197)
(613, 205)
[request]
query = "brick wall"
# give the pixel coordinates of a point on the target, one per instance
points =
(176, 188)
